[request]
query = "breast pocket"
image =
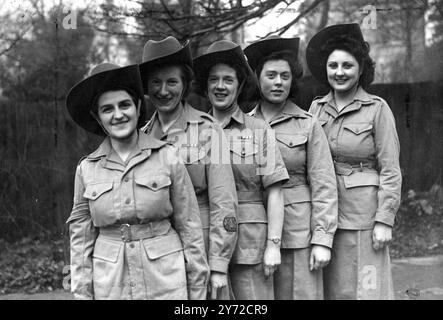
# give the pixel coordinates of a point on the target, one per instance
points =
(357, 140)
(100, 198)
(152, 195)
(293, 150)
(244, 155)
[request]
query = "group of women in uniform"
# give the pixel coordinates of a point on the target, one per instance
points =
(269, 203)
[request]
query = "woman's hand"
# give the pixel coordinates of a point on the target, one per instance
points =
(381, 235)
(271, 259)
(320, 257)
(217, 281)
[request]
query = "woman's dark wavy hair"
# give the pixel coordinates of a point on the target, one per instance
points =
(187, 75)
(294, 65)
(360, 51)
(201, 83)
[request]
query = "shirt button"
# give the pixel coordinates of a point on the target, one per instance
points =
(291, 144)
(128, 201)
(131, 246)
(126, 179)
(154, 185)
(132, 284)
(243, 152)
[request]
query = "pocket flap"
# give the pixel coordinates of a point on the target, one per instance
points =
(297, 194)
(358, 128)
(107, 250)
(153, 182)
(252, 213)
(244, 148)
(291, 140)
(162, 245)
(360, 179)
(93, 191)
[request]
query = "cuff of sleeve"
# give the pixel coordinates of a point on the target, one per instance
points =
(197, 292)
(277, 176)
(385, 217)
(321, 238)
(78, 296)
(218, 264)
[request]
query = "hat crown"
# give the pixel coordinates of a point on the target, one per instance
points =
(103, 67)
(221, 45)
(156, 49)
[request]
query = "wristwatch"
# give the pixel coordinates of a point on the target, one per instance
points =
(275, 240)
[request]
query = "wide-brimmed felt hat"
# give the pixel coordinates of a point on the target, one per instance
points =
(166, 51)
(263, 48)
(315, 56)
(104, 77)
(226, 52)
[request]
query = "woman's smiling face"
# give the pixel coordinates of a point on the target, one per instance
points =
(165, 88)
(222, 86)
(343, 71)
(275, 81)
(117, 114)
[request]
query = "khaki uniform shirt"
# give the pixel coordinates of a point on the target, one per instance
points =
(311, 193)
(151, 188)
(257, 164)
(201, 143)
(365, 149)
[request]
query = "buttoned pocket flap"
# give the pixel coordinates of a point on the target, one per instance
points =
(252, 213)
(162, 245)
(292, 140)
(153, 182)
(244, 148)
(93, 191)
(358, 128)
(107, 250)
(297, 194)
(361, 179)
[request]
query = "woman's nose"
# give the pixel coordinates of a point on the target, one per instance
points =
(277, 80)
(118, 113)
(340, 71)
(163, 90)
(220, 84)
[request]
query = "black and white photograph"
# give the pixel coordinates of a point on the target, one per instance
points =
(236, 152)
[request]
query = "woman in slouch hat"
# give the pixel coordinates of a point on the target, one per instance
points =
(363, 140)
(166, 71)
(310, 195)
(126, 194)
(223, 75)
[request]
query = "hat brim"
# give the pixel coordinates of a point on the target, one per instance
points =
(80, 99)
(315, 58)
(182, 56)
(233, 57)
(263, 48)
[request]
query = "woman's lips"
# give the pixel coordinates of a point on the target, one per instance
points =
(341, 81)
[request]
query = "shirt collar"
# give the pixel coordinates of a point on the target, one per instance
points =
(290, 109)
(238, 116)
(144, 142)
